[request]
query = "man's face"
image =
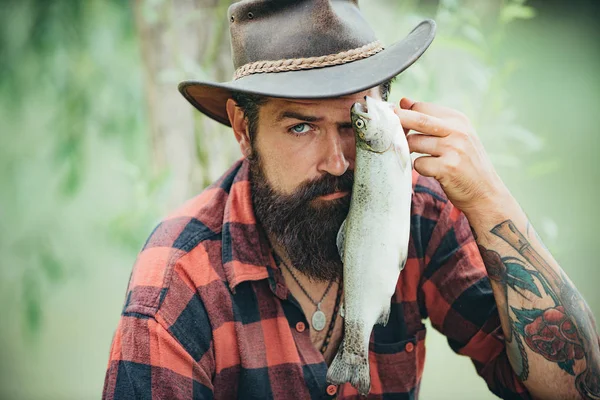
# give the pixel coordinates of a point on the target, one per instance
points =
(301, 176)
(303, 140)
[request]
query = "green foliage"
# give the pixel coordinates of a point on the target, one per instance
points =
(72, 112)
(32, 303)
(516, 10)
(50, 265)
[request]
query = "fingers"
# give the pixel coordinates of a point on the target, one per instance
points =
(427, 124)
(425, 144)
(406, 103)
(397, 112)
(432, 109)
(427, 166)
(431, 118)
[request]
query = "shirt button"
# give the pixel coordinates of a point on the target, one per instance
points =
(300, 327)
(409, 347)
(331, 390)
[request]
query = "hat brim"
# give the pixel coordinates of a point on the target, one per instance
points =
(210, 98)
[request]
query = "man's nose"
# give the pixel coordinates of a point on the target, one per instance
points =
(334, 161)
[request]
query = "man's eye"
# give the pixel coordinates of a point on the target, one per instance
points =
(300, 129)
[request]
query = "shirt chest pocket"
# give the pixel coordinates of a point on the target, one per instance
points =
(396, 367)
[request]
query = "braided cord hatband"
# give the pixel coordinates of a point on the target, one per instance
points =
(297, 64)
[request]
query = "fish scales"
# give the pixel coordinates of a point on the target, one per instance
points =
(373, 241)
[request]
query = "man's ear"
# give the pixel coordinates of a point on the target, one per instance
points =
(239, 126)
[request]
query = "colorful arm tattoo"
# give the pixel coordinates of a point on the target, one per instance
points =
(562, 333)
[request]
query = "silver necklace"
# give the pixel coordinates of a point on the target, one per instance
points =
(318, 318)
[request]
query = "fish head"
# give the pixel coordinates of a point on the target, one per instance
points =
(378, 129)
(375, 124)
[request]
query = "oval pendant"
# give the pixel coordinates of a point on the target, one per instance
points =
(318, 320)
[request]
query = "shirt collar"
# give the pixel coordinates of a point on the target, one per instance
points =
(246, 252)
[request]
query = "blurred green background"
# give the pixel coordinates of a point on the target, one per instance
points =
(96, 144)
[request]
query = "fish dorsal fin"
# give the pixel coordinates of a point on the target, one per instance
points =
(341, 236)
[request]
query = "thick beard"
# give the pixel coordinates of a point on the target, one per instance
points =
(306, 228)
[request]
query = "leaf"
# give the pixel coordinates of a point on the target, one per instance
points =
(520, 328)
(547, 288)
(543, 168)
(32, 303)
(518, 276)
(71, 181)
(526, 317)
(567, 366)
(516, 11)
(51, 266)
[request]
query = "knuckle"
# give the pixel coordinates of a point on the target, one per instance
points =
(438, 146)
(460, 143)
(422, 121)
(452, 161)
(443, 146)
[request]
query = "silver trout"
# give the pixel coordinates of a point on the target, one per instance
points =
(373, 240)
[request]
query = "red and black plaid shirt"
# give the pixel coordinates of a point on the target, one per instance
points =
(208, 315)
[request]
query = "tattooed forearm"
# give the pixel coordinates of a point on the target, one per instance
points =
(563, 333)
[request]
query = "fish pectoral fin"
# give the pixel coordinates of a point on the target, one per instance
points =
(403, 159)
(341, 236)
(403, 257)
(384, 317)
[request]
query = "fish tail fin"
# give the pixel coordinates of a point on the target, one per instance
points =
(350, 368)
(384, 317)
(351, 363)
(340, 370)
(361, 379)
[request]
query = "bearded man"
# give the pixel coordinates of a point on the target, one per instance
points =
(221, 298)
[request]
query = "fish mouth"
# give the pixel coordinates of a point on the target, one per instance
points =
(361, 110)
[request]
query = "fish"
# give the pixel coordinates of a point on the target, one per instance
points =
(373, 239)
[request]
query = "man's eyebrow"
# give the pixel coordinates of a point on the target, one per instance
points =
(296, 115)
(309, 118)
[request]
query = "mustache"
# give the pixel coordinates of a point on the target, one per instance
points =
(327, 184)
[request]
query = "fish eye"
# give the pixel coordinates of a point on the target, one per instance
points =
(359, 123)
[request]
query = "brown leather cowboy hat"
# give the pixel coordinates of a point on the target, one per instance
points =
(304, 49)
